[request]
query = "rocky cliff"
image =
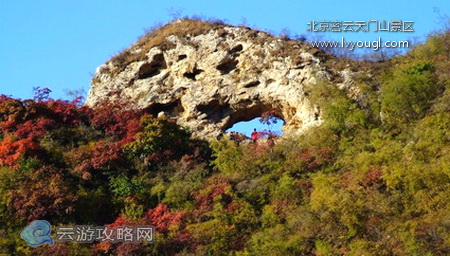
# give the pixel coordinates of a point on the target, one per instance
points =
(209, 76)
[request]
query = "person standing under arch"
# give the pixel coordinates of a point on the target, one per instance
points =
(254, 136)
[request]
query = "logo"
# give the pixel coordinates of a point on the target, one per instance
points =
(38, 233)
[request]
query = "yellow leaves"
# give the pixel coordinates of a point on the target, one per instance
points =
(269, 216)
(325, 193)
(228, 156)
(214, 233)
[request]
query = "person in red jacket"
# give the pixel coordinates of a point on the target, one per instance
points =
(254, 135)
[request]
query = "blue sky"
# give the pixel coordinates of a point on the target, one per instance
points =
(59, 44)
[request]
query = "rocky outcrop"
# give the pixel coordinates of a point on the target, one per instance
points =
(209, 78)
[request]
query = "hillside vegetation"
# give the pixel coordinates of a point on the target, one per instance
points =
(372, 180)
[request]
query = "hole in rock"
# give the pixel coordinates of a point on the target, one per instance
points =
(236, 49)
(227, 66)
(252, 84)
(170, 109)
(264, 120)
(153, 68)
(246, 127)
(192, 75)
(214, 110)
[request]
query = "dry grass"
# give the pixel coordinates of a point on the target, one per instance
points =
(190, 27)
(158, 37)
(183, 28)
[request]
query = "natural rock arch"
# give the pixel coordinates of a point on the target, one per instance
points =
(209, 80)
(244, 115)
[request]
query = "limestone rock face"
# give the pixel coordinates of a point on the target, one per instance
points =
(211, 79)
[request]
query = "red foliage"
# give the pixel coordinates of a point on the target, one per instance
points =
(130, 249)
(103, 154)
(25, 122)
(102, 247)
(281, 204)
(122, 221)
(374, 227)
(183, 237)
(34, 129)
(7, 126)
(44, 195)
(64, 112)
(315, 157)
(15, 112)
(373, 178)
(117, 119)
(163, 156)
(12, 150)
(86, 176)
(204, 199)
(348, 179)
(233, 206)
(30, 120)
(162, 218)
(81, 158)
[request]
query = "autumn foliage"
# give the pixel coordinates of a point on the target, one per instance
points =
(373, 179)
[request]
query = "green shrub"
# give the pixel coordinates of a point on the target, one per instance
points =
(408, 93)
